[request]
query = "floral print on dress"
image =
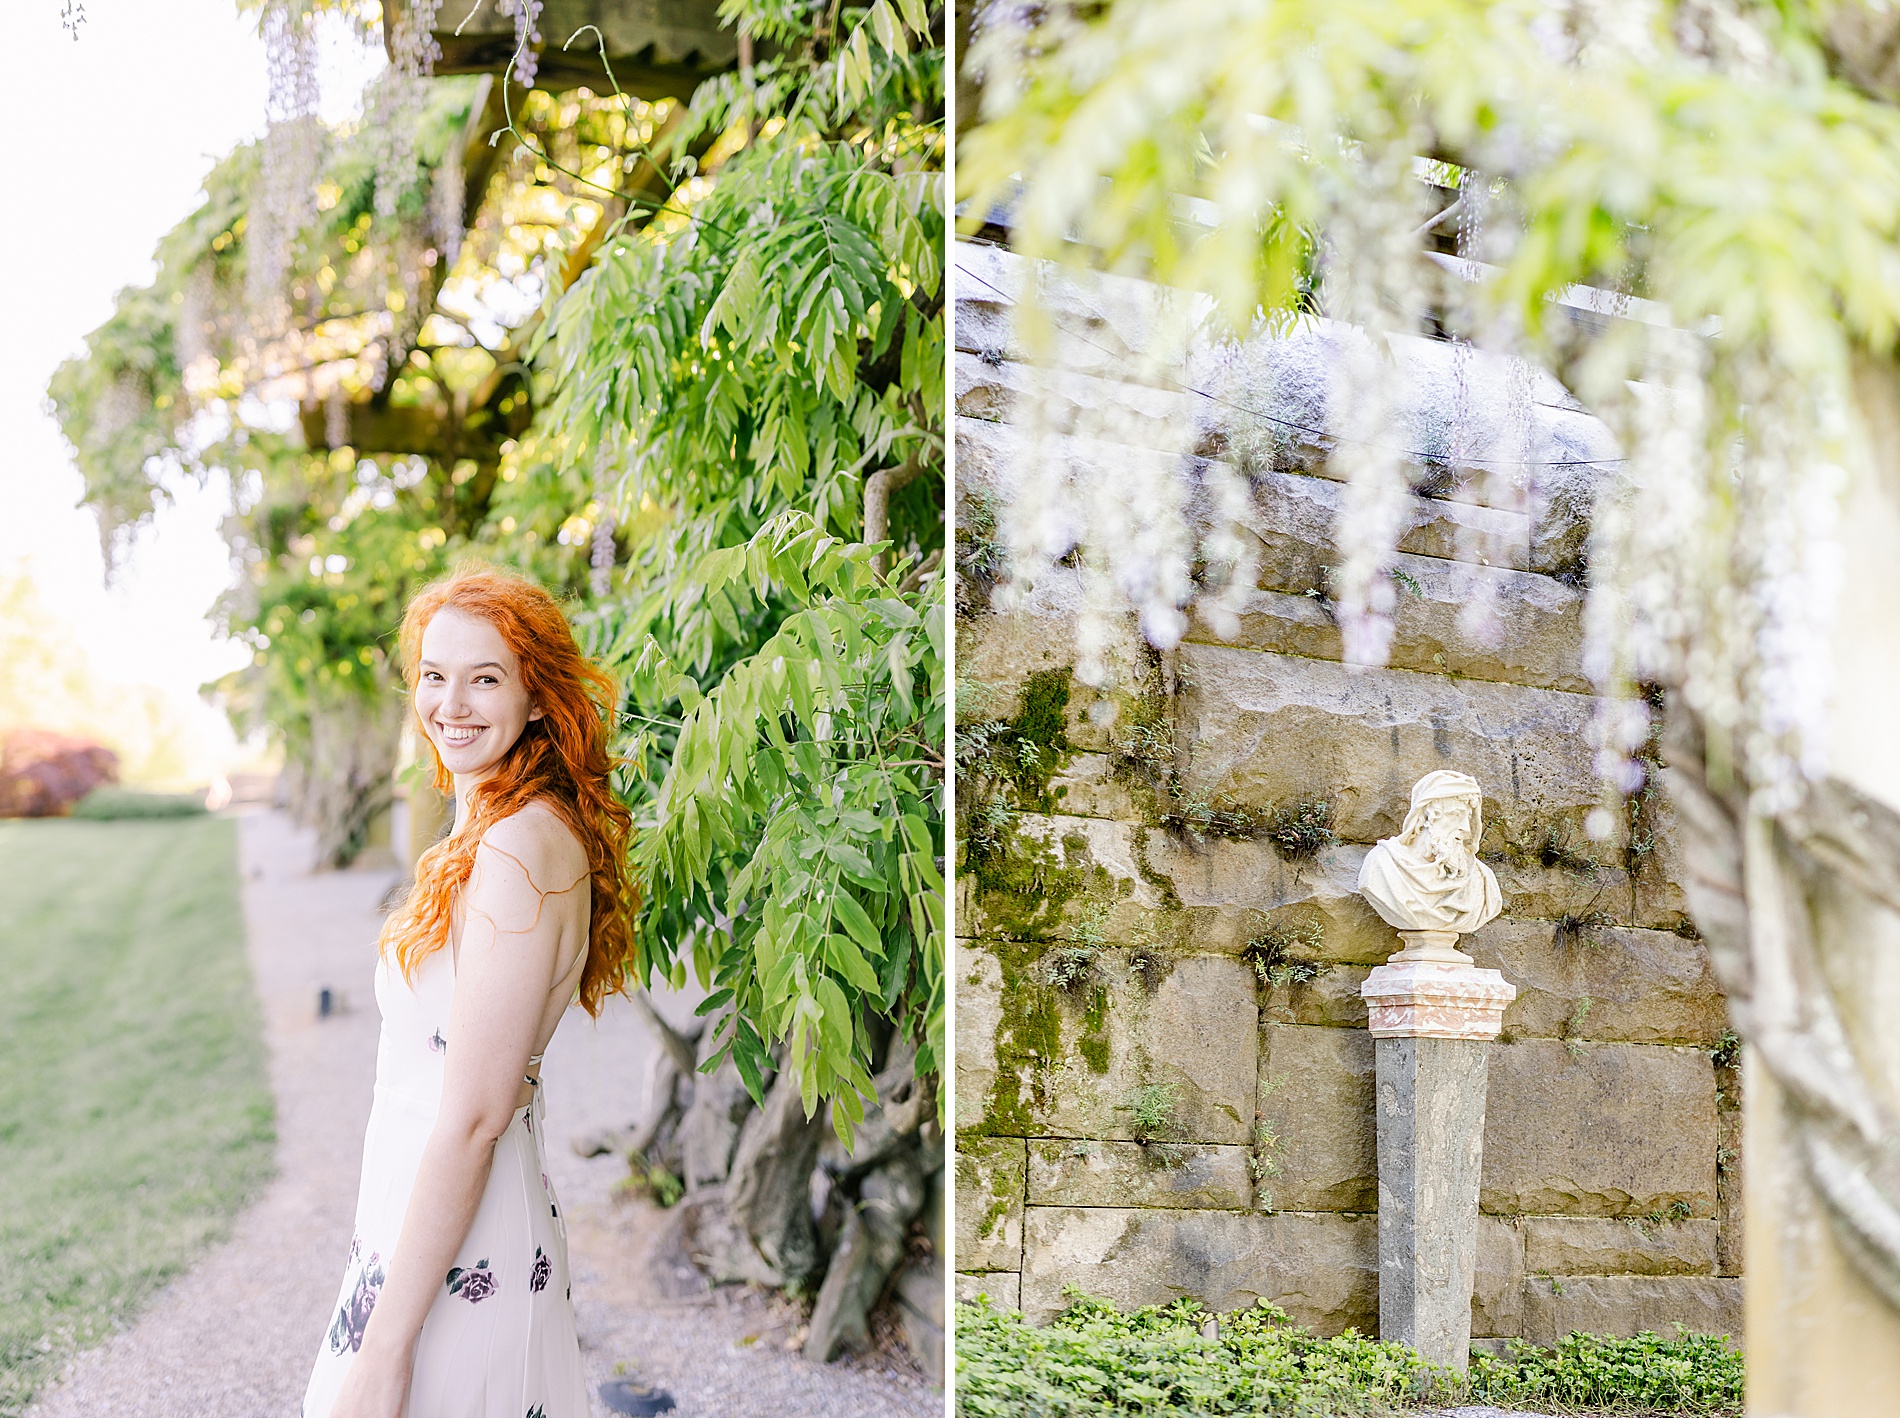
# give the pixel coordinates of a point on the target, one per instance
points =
(474, 1284)
(509, 1341)
(352, 1317)
(538, 1277)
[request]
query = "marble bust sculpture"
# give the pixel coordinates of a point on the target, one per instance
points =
(1429, 878)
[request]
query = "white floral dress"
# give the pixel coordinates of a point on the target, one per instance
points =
(499, 1341)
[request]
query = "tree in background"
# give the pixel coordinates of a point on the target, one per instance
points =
(43, 682)
(682, 358)
(360, 422)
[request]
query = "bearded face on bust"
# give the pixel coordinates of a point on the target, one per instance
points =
(1443, 836)
(1429, 878)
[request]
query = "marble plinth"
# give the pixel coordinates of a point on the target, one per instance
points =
(1433, 1022)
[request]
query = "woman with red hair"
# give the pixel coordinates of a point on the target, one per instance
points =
(455, 1299)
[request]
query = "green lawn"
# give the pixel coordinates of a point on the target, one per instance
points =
(135, 1110)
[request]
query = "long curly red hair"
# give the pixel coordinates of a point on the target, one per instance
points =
(561, 759)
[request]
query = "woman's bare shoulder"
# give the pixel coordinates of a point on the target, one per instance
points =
(541, 841)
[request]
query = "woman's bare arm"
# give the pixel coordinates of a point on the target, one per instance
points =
(506, 965)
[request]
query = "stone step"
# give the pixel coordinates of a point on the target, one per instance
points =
(1081, 431)
(1535, 638)
(1273, 397)
(1538, 639)
(1297, 507)
(1095, 317)
(1102, 321)
(1293, 516)
(1112, 411)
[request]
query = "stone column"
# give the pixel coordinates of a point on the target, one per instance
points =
(1433, 1014)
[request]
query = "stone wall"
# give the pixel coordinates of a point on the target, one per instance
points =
(1164, 1082)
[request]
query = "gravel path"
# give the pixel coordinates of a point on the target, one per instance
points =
(234, 1338)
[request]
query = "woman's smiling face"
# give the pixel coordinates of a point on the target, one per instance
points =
(469, 694)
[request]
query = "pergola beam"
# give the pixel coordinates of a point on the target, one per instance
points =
(658, 49)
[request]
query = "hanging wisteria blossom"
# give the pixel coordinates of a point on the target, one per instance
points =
(293, 153)
(1280, 157)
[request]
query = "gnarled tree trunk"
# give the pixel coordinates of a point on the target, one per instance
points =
(881, 1185)
(1801, 910)
(755, 1177)
(344, 767)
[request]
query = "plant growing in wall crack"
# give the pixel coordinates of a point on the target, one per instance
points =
(1070, 966)
(1300, 831)
(1153, 1111)
(1146, 968)
(1573, 1026)
(1572, 929)
(1202, 816)
(1270, 952)
(1262, 1164)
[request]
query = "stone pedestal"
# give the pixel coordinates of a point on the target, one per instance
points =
(1433, 1019)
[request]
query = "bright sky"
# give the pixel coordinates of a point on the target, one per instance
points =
(122, 125)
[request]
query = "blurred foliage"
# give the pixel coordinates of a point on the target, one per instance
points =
(45, 684)
(400, 359)
(1735, 167)
(121, 804)
(676, 347)
(1708, 155)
